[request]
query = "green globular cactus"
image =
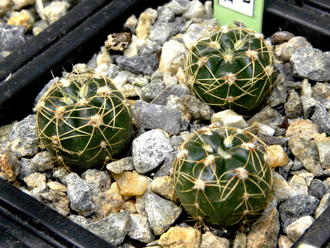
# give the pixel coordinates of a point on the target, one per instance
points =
(231, 68)
(222, 176)
(83, 121)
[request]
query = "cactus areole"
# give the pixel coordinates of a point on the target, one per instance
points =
(222, 177)
(83, 121)
(231, 68)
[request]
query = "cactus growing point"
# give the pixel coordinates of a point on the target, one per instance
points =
(222, 176)
(231, 68)
(83, 121)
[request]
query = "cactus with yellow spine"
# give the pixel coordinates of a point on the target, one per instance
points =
(222, 176)
(83, 121)
(231, 68)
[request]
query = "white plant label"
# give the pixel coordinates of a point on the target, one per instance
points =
(243, 6)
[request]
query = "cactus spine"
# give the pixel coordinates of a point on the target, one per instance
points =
(231, 68)
(83, 121)
(222, 176)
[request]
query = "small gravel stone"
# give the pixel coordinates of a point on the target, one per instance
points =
(151, 90)
(311, 63)
(11, 37)
(196, 9)
(164, 187)
(140, 229)
(321, 93)
(173, 56)
(324, 204)
(108, 202)
(293, 108)
(317, 189)
(21, 18)
(121, 165)
(149, 150)
(277, 155)
(265, 232)
(55, 10)
(56, 200)
(161, 212)
(279, 94)
(308, 105)
(140, 64)
(35, 180)
(23, 138)
(303, 128)
(196, 108)
(112, 228)
(178, 7)
(240, 240)
(152, 116)
(79, 195)
(298, 227)
(177, 90)
(306, 151)
(229, 118)
(321, 118)
(97, 181)
(298, 184)
(42, 162)
(296, 207)
(56, 186)
(284, 242)
(285, 51)
(282, 190)
(181, 237)
(9, 166)
(210, 240)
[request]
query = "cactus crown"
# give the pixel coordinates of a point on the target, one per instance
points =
(83, 120)
(222, 176)
(231, 68)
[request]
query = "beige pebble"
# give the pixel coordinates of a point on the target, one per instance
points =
(178, 237)
(277, 156)
(131, 183)
(22, 18)
(304, 128)
(57, 186)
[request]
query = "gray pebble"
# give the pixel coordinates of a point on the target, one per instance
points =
(141, 64)
(161, 213)
(42, 161)
(11, 37)
(293, 108)
(119, 166)
(97, 181)
(317, 189)
(149, 150)
(140, 229)
(177, 90)
(79, 195)
(321, 118)
(112, 228)
(296, 207)
(152, 116)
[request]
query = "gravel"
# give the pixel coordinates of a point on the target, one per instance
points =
(295, 118)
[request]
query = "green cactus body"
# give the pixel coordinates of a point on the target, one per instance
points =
(83, 121)
(222, 176)
(231, 68)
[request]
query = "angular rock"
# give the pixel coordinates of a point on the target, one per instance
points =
(79, 195)
(152, 116)
(308, 104)
(188, 237)
(11, 37)
(56, 200)
(42, 161)
(97, 181)
(108, 202)
(277, 155)
(161, 212)
(321, 93)
(306, 151)
(10, 166)
(112, 228)
(23, 137)
(177, 90)
(317, 189)
(121, 165)
(21, 18)
(303, 128)
(268, 116)
(210, 240)
(131, 183)
(324, 204)
(57, 186)
(144, 64)
(149, 150)
(298, 185)
(164, 186)
(265, 232)
(240, 240)
(284, 242)
(279, 94)
(151, 91)
(298, 227)
(140, 229)
(229, 118)
(321, 118)
(177, 6)
(55, 10)
(196, 108)
(173, 56)
(311, 63)
(293, 108)
(297, 207)
(285, 51)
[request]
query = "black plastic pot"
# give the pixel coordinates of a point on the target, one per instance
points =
(25, 222)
